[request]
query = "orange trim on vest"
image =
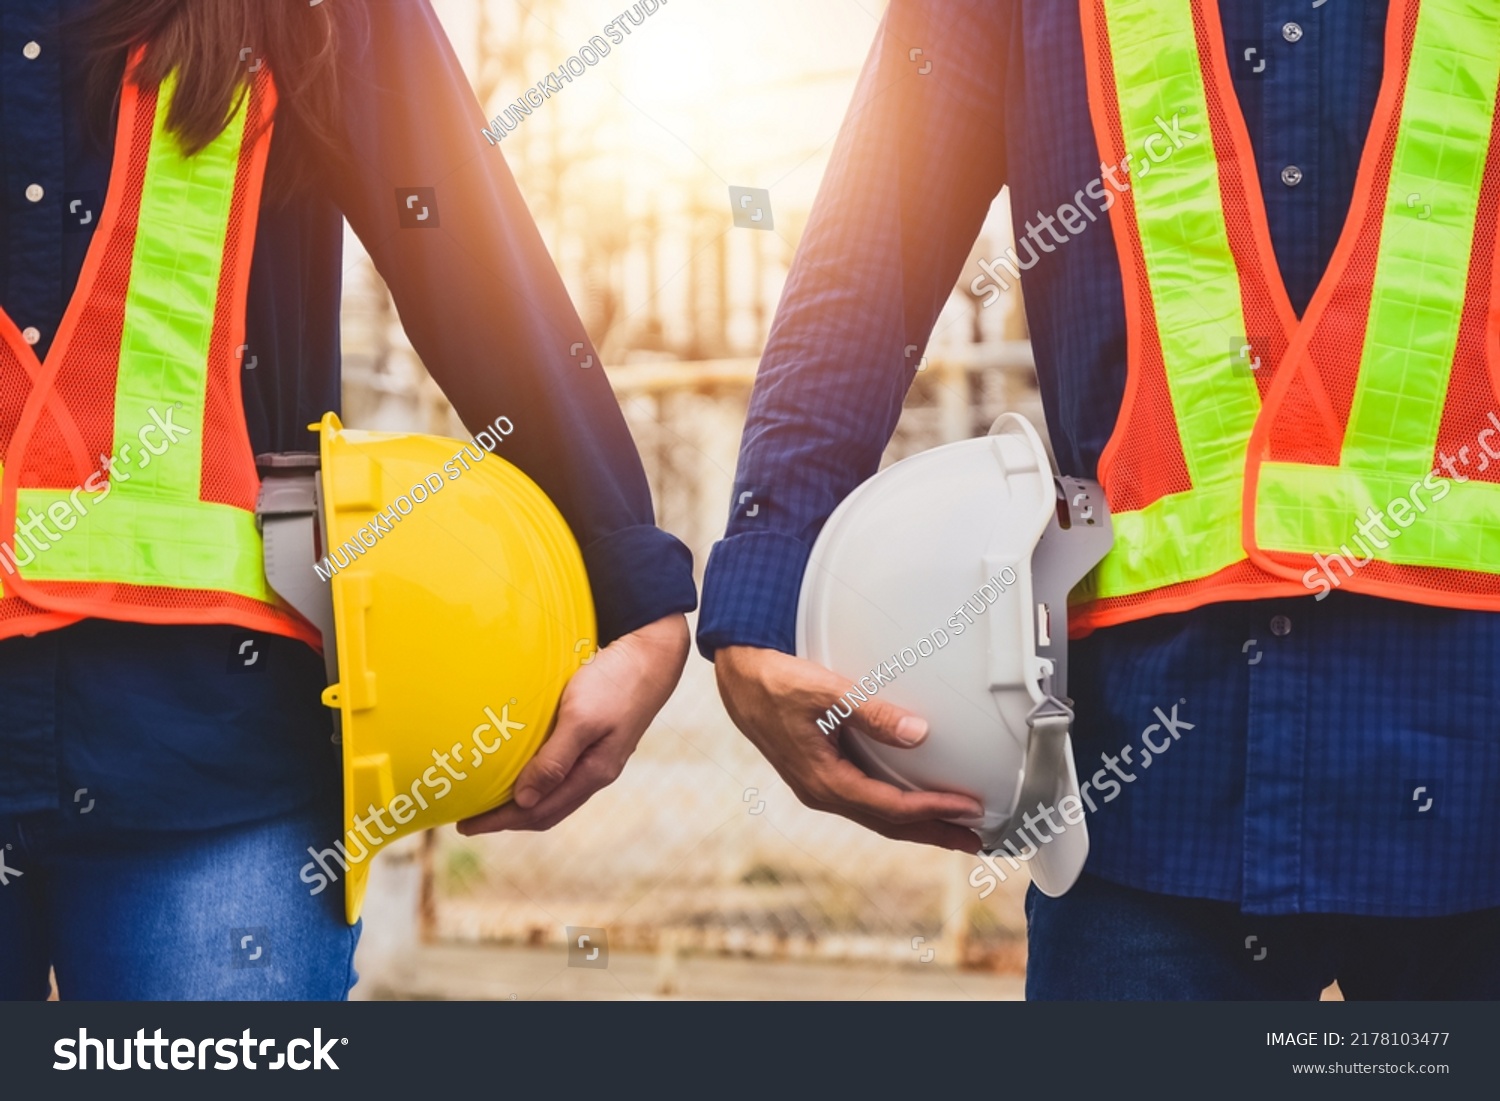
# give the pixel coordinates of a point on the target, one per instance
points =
(66, 424)
(1308, 406)
(1131, 468)
(1145, 369)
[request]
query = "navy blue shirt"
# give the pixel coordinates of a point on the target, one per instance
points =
(1344, 754)
(177, 726)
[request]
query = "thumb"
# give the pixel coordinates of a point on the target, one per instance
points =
(885, 722)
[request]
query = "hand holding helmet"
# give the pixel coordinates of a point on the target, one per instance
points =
(946, 576)
(776, 699)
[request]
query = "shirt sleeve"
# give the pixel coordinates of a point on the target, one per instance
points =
(917, 163)
(484, 306)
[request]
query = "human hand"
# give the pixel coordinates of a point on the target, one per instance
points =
(604, 711)
(776, 699)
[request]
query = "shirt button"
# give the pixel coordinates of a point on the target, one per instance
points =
(31, 334)
(1292, 32)
(1281, 626)
(1291, 175)
(31, 51)
(34, 192)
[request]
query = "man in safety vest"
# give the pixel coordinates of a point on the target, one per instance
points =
(1259, 245)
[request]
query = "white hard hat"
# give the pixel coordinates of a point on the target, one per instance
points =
(942, 583)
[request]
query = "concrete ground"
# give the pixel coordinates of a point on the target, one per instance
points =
(465, 972)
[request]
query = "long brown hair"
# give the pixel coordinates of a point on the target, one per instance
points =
(212, 44)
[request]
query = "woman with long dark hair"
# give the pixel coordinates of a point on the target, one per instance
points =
(165, 761)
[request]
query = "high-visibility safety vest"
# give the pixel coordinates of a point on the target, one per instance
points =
(1256, 454)
(129, 484)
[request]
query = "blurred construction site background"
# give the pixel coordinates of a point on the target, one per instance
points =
(698, 872)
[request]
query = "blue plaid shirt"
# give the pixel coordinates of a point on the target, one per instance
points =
(1344, 754)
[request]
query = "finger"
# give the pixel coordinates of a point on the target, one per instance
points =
(554, 808)
(885, 722)
(944, 835)
(847, 784)
(580, 786)
(543, 816)
(559, 753)
(880, 719)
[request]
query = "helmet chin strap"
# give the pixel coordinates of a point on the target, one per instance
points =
(1048, 779)
(289, 514)
(990, 508)
(1076, 538)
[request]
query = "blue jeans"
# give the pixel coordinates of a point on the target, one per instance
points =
(203, 915)
(1104, 942)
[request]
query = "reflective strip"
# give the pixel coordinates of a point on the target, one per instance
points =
(1416, 307)
(1317, 509)
(1195, 290)
(174, 289)
(153, 529)
(212, 546)
(1420, 277)
(1181, 537)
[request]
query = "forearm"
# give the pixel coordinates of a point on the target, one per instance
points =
(487, 312)
(917, 164)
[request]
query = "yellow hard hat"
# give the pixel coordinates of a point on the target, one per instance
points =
(460, 609)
